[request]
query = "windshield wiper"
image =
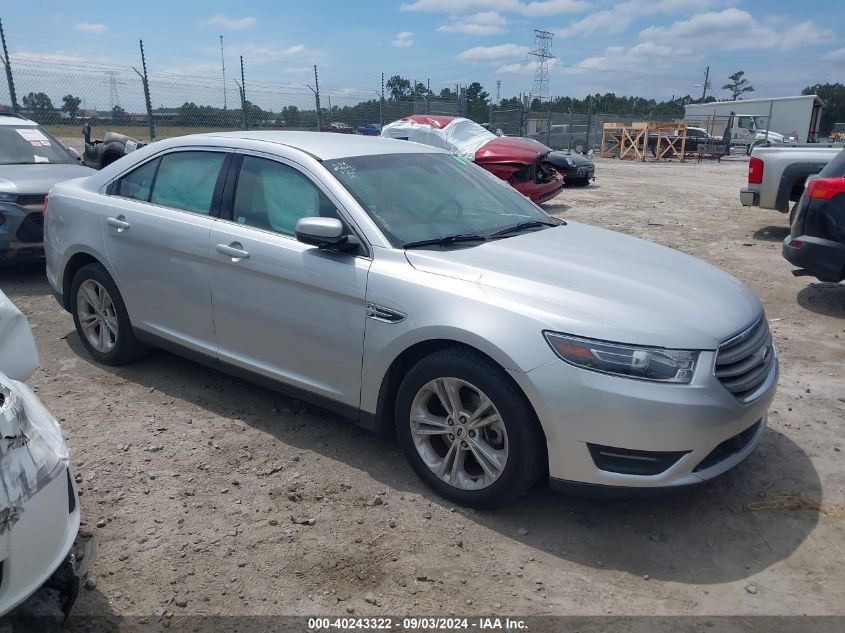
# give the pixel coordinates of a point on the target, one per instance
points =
(446, 240)
(522, 226)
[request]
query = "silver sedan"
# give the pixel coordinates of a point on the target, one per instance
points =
(417, 294)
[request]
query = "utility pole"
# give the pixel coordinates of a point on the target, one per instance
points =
(223, 67)
(498, 91)
(706, 83)
(8, 64)
(381, 104)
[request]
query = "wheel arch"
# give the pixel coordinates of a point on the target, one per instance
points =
(74, 264)
(383, 419)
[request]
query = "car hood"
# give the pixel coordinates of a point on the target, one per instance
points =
(510, 149)
(579, 160)
(38, 178)
(595, 283)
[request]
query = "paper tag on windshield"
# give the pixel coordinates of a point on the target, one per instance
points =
(32, 134)
(130, 146)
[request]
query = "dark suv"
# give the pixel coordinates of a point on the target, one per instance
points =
(816, 242)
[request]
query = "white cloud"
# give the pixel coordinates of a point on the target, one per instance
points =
(536, 8)
(644, 57)
(492, 53)
(481, 24)
(255, 54)
(47, 59)
(236, 24)
(405, 39)
(736, 29)
(618, 18)
(553, 7)
(90, 27)
(834, 56)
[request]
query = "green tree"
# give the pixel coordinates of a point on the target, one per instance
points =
(291, 116)
(70, 104)
(738, 85)
(477, 102)
(38, 102)
(398, 87)
(117, 114)
(833, 96)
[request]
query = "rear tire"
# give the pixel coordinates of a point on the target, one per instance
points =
(485, 450)
(100, 317)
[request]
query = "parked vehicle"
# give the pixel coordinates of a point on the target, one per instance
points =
(31, 161)
(561, 137)
(99, 153)
(404, 287)
(837, 134)
(521, 162)
(370, 129)
(338, 128)
(798, 116)
(776, 175)
(577, 169)
(39, 506)
(816, 241)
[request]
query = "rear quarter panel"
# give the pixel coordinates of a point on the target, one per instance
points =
(74, 224)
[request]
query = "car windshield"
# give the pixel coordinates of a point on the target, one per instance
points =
(416, 197)
(28, 145)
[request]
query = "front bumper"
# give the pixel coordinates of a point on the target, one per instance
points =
(696, 431)
(21, 234)
(749, 198)
(40, 542)
(824, 259)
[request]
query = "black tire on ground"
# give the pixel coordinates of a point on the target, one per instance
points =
(127, 348)
(579, 145)
(527, 459)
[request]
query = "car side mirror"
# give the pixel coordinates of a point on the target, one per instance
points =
(75, 154)
(322, 232)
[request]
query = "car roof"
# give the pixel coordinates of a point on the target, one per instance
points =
(321, 145)
(10, 118)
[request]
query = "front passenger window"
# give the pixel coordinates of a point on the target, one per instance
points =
(136, 184)
(274, 197)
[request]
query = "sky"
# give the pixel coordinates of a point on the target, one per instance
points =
(655, 48)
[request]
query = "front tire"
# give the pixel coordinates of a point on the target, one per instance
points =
(468, 430)
(100, 317)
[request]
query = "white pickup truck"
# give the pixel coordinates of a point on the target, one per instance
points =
(776, 175)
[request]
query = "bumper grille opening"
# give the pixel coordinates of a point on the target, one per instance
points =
(629, 462)
(730, 446)
(31, 229)
(743, 363)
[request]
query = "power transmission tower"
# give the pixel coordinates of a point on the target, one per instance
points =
(114, 96)
(543, 53)
(706, 83)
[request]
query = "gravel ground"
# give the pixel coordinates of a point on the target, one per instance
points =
(212, 496)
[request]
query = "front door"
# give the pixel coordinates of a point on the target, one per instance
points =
(156, 227)
(283, 309)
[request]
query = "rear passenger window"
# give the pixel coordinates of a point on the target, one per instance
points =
(136, 184)
(186, 180)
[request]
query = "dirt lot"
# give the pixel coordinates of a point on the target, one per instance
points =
(190, 478)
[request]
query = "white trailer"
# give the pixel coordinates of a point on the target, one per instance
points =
(790, 116)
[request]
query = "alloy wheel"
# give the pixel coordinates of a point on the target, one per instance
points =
(97, 316)
(459, 433)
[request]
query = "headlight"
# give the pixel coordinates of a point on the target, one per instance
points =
(645, 363)
(570, 162)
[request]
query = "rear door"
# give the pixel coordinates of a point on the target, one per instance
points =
(157, 239)
(283, 309)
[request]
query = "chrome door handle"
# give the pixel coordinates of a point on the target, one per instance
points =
(119, 223)
(233, 250)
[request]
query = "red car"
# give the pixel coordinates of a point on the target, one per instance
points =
(518, 161)
(338, 128)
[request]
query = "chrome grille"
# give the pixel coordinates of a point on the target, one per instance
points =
(743, 362)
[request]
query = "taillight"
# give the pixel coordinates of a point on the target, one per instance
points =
(44, 206)
(825, 188)
(755, 171)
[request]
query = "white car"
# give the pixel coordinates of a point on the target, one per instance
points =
(39, 506)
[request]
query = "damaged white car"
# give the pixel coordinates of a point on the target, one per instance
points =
(39, 505)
